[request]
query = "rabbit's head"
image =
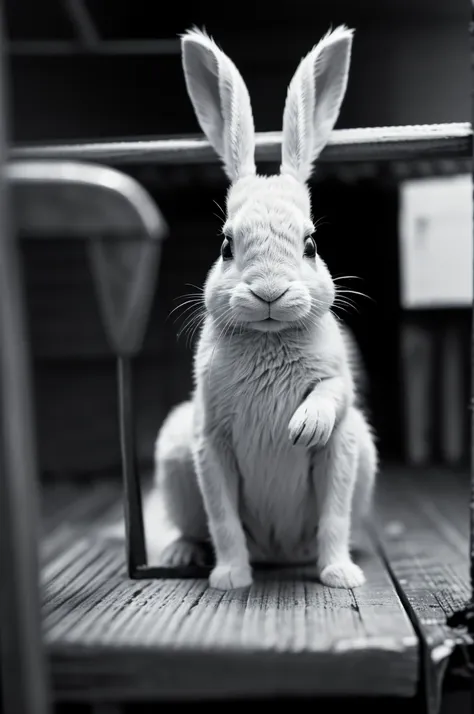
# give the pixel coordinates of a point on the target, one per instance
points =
(269, 275)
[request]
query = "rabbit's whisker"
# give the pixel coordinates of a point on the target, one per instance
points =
(346, 277)
(199, 314)
(353, 292)
(185, 306)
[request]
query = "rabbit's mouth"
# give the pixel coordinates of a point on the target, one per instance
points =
(268, 324)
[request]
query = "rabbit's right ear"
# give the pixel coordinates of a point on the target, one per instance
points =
(221, 102)
(313, 102)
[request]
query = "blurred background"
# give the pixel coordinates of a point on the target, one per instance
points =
(114, 72)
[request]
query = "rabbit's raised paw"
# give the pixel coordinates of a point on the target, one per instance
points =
(312, 423)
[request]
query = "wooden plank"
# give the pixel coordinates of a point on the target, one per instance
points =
(423, 521)
(116, 639)
(369, 144)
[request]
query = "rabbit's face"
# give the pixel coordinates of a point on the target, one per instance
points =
(269, 276)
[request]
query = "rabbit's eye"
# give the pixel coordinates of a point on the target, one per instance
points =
(226, 250)
(309, 247)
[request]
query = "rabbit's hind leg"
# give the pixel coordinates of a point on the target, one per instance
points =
(363, 497)
(177, 487)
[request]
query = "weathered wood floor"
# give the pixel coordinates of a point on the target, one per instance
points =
(423, 523)
(112, 638)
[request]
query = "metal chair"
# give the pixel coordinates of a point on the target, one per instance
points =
(123, 229)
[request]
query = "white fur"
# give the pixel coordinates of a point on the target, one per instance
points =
(221, 102)
(313, 102)
(270, 458)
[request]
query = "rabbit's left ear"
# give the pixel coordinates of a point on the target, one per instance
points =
(221, 102)
(313, 102)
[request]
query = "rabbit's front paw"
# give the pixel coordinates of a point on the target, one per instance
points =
(230, 577)
(344, 574)
(312, 423)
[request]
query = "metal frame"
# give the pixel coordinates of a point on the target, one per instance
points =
(137, 561)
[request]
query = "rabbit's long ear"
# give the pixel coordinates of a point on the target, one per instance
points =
(313, 102)
(221, 102)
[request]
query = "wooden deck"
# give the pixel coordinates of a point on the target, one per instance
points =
(423, 521)
(112, 638)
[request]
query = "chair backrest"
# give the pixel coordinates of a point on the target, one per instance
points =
(74, 198)
(121, 223)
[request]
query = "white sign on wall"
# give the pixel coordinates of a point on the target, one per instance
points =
(436, 242)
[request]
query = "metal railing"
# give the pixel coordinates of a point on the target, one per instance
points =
(389, 143)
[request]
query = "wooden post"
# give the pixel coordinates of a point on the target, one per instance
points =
(22, 663)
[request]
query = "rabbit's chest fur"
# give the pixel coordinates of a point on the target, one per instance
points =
(255, 385)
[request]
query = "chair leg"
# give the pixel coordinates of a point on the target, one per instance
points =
(134, 528)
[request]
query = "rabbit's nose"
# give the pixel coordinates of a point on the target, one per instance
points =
(268, 295)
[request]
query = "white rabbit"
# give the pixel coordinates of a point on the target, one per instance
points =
(271, 458)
